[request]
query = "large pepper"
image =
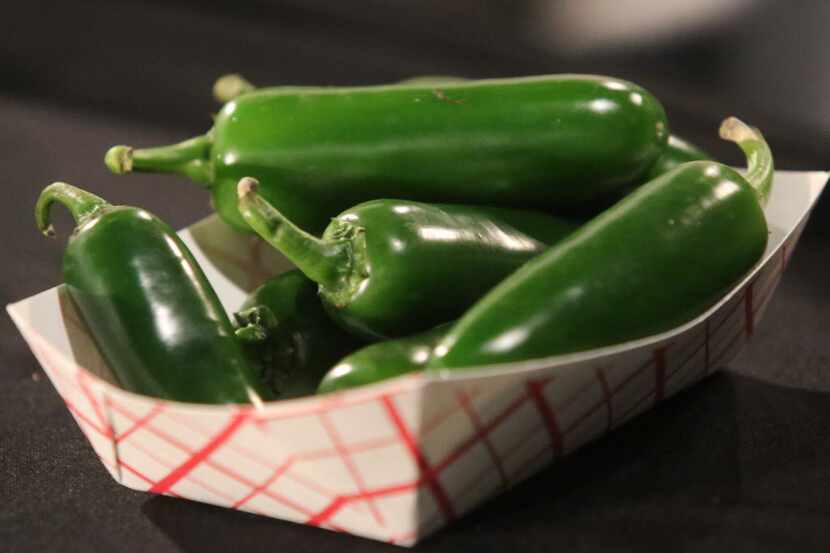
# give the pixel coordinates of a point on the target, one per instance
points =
(383, 360)
(394, 267)
(535, 142)
(678, 150)
(655, 260)
(149, 306)
(290, 335)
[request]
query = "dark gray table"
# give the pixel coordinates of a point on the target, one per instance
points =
(739, 463)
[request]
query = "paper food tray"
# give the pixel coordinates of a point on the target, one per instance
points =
(397, 460)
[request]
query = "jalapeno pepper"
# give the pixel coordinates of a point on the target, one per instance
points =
(147, 303)
(383, 360)
(291, 336)
(394, 267)
(655, 260)
(677, 150)
(536, 142)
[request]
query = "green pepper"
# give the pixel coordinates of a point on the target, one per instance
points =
(394, 267)
(677, 150)
(535, 142)
(147, 303)
(383, 360)
(290, 334)
(653, 261)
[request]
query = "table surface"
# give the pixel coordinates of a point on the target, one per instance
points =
(741, 462)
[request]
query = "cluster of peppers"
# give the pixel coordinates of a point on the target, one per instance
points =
(436, 224)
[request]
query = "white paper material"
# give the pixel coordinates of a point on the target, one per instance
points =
(382, 461)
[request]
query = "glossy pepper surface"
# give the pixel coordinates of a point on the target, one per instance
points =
(149, 306)
(653, 261)
(395, 267)
(383, 360)
(536, 142)
(291, 336)
(677, 151)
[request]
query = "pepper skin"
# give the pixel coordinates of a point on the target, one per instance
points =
(147, 303)
(291, 336)
(534, 142)
(383, 360)
(393, 267)
(653, 261)
(677, 151)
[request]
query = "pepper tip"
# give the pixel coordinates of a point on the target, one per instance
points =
(735, 130)
(228, 87)
(246, 186)
(119, 159)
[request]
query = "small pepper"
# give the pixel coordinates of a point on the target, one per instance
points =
(394, 267)
(534, 142)
(147, 303)
(383, 360)
(290, 335)
(651, 262)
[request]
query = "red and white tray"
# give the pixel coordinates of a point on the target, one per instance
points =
(397, 460)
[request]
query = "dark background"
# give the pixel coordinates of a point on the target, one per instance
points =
(739, 463)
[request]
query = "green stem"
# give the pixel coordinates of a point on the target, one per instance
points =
(760, 169)
(228, 87)
(80, 203)
(322, 261)
(255, 324)
(190, 158)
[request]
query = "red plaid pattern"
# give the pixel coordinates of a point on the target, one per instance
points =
(401, 459)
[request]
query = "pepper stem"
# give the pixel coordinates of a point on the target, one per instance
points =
(255, 324)
(760, 169)
(322, 261)
(228, 87)
(80, 203)
(190, 158)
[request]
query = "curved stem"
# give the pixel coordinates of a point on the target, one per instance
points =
(760, 168)
(228, 87)
(80, 203)
(320, 260)
(190, 158)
